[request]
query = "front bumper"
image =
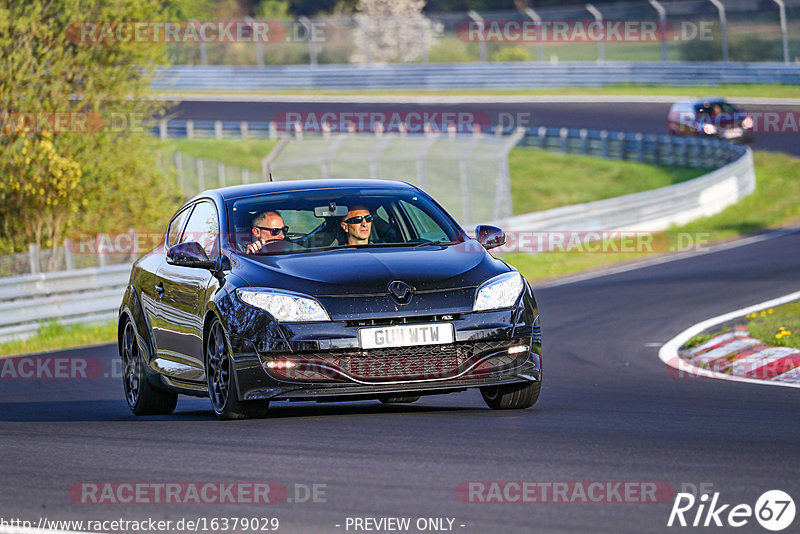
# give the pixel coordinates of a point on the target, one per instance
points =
(327, 363)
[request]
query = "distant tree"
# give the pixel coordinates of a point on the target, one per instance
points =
(98, 173)
(391, 31)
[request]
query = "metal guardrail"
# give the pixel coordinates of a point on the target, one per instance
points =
(468, 75)
(94, 294)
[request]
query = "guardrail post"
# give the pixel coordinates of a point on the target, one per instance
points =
(542, 132)
(622, 148)
(656, 146)
(162, 129)
(669, 156)
(604, 143)
(639, 146)
(217, 129)
(298, 131)
(564, 134)
(190, 129)
(33, 258)
(584, 133)
(69, 256)
(273, 130)
(244, 129)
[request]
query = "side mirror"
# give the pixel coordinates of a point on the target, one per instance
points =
(489, 236)
(189, 254)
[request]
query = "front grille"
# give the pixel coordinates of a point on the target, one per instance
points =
(428, 362)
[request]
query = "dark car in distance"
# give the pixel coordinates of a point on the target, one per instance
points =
(710, 117)
(419, 309)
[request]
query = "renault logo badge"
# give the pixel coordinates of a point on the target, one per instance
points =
(400, 291)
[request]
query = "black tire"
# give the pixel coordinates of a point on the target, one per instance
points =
(222, 380)
(512, 396)
(398, 399)
(143, 398)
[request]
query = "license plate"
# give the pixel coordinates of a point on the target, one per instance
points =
(735, 132)
(406, 335)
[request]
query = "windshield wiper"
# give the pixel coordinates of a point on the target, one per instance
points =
(435, 243)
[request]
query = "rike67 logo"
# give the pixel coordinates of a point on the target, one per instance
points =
(774, 510)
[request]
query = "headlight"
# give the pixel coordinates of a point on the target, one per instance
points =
(747, 122)
(709, 129)
(499, 292)
(285, 306)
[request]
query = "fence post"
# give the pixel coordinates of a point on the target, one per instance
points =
(584, 133)
(273, 130)
(33, 258)
(723, 28)
(162, 129)
(622, 148)
(201, 179)
(604, 143)
(601, 47)
(69, 256)
(564, 134)
(477, 19)
(102, 253)
(217, 129)
(542, 137)
(221, 173)
(662, 26)
(244, 129)
(179, 169)
(190, 129)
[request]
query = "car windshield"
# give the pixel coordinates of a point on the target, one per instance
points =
(714, 108)
(337, 218)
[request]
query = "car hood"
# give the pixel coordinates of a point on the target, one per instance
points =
(368, 271)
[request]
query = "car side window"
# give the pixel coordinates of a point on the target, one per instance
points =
(203, 227)
(175, 227)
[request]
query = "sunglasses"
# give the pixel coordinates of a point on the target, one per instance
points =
(357, 219)
(274, 231)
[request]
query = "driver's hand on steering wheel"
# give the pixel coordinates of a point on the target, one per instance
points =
(256, 245)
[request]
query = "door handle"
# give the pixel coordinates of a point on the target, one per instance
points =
(160, 288)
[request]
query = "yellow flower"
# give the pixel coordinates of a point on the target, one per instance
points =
(782, 328)
(769, 310)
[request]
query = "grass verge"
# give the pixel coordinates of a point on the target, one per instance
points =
(55, 336)
(246, 153)
(729, 91)
(779, 326)
(774, 203)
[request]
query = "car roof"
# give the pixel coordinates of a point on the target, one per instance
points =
(246, 190)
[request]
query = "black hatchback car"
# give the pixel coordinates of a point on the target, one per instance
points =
(710, 117)
(417, 307)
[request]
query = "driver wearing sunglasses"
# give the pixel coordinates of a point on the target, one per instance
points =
(267, 226)
(357, 225)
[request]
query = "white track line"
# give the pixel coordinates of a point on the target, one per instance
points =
(669, 352)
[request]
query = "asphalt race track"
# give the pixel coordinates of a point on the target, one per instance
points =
(609, 411)
(628, 117)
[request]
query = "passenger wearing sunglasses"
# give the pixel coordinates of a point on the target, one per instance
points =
(357, 225)
(267, 226)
